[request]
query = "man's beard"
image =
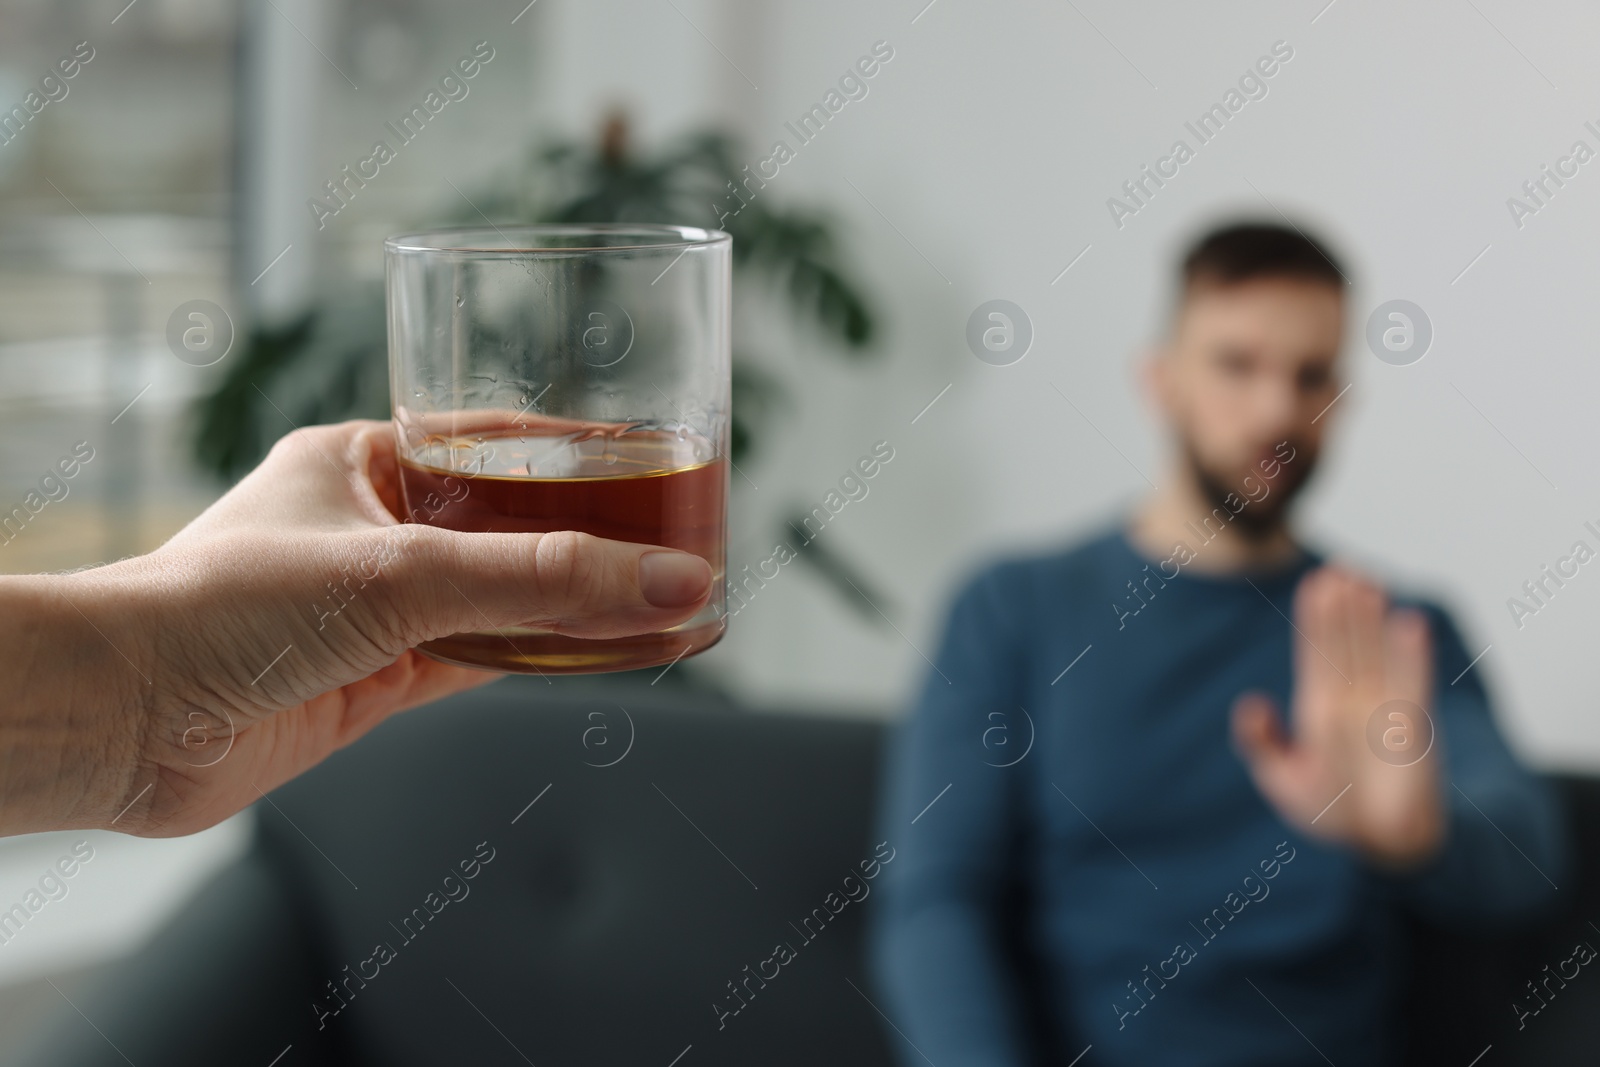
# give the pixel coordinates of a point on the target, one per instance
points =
(1264, 516)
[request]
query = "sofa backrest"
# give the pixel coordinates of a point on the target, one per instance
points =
(636, 867)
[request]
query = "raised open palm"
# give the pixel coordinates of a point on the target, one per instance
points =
(1357, 765)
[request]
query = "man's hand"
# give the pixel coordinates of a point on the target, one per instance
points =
(160, 694)
(1352, 658)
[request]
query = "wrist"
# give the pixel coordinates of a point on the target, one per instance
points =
(70, 728)
(1410, 841)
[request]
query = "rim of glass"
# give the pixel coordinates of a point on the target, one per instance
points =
(528, 239)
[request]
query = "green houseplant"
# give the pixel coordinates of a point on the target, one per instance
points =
(330, 363)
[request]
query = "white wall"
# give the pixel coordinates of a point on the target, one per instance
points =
(991, 142)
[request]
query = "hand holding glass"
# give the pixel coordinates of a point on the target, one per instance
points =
(552, 378)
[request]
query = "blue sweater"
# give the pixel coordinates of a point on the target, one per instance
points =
(1072, 744)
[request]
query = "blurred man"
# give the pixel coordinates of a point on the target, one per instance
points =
(1172, 790)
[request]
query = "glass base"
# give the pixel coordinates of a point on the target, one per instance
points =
(536, 652)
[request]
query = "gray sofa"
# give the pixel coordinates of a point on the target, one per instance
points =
(571, 874)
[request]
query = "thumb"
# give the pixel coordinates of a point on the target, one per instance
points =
(1260, 740)
(444, 582)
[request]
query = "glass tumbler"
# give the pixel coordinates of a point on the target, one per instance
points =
(551, 378)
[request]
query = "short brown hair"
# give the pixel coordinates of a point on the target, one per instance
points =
(1245, 251)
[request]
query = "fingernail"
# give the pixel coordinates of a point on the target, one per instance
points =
(673, 579)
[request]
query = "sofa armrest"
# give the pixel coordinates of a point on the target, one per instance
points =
(229, 980)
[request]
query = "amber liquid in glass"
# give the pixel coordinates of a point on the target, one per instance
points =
(647, 486)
